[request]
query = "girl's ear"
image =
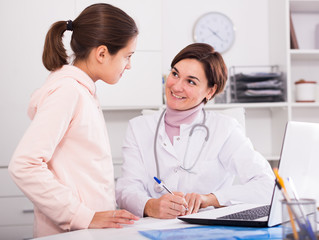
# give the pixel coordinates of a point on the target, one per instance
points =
(101, 53)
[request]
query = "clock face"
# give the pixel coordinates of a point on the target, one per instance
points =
(216, 29)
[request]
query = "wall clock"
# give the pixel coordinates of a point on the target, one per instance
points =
(216, 29)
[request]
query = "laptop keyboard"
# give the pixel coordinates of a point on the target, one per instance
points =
(250, 214)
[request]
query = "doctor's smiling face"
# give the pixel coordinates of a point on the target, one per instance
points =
(198, 74)
(187, 85)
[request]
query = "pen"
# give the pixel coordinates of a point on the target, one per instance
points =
(308, 224)
(280, 184)
(163, 185)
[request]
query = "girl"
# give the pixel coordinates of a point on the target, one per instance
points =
(63, 163)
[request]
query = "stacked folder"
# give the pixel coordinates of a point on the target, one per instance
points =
(257, 87)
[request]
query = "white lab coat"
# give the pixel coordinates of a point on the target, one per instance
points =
(228, 153)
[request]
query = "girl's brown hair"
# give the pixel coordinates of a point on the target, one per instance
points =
(98, 24)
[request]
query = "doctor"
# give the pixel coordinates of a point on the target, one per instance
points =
(196, 153)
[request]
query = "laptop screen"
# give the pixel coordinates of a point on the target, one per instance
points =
(299, 160)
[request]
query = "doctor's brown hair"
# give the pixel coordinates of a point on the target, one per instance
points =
(98, 24)
(212, 62)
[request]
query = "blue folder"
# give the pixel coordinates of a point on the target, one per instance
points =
(215, 232)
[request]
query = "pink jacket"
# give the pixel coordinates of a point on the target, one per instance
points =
(63, 163)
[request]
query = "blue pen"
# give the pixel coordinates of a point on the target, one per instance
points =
(163, 185)
(308, 227)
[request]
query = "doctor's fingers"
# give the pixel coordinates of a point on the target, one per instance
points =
(178, 209)
(174, 210)
(181, 194)
(194, 201)
(172, 213)
(172, 202)
(167, 209)
(179, 198)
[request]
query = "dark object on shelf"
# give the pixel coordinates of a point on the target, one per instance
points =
(250, 85)
(293, 37)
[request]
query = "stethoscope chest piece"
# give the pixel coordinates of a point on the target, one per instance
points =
(158, 188)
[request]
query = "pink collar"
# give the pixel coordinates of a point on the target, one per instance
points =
(174, 118)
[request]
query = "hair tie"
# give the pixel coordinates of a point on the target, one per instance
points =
(69, 26)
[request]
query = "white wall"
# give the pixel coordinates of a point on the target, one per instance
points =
(23, 27)
(250, 18)
(24, 24)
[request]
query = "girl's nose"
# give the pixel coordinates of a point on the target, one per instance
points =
(128, 65)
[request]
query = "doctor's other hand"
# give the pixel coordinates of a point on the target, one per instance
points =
(167, 206)
(112, 219)
(196, 201)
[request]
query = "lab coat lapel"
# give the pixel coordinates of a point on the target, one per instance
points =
(163, 142)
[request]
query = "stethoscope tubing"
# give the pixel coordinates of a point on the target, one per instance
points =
(157, 188)
(155, 144)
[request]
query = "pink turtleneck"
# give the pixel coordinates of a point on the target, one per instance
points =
(174, 118)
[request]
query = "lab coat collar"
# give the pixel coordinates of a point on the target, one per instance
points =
(163, 138)
(198, 119)
(183, 127)
(161, 131)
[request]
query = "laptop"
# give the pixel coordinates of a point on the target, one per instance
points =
(299, 159)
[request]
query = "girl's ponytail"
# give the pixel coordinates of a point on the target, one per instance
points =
(54, 54)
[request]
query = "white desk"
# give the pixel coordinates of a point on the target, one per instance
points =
(131, 232)
(127, 232)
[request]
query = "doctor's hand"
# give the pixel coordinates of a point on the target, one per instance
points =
(112, 219)
(196, 201)
(167, 206)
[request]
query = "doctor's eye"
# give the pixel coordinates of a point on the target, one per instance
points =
(174, 73)
(190, 81)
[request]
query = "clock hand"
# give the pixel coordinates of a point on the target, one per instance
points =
(214, 33)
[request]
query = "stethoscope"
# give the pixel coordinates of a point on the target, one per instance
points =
(157, 187)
